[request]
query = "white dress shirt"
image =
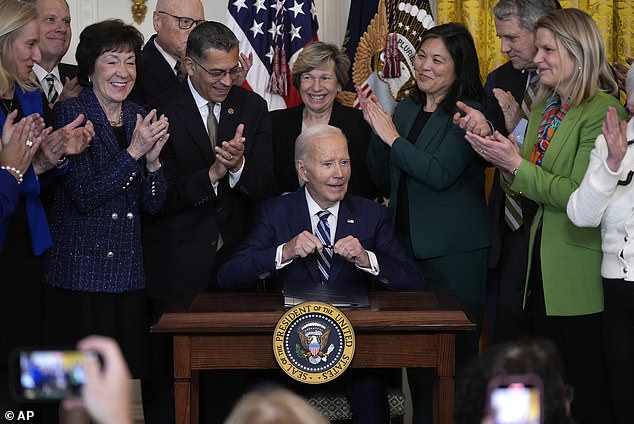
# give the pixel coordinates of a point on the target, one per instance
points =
(203, 109)
(313, 210)
(41, 75)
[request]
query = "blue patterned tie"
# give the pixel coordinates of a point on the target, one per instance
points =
(324, 259)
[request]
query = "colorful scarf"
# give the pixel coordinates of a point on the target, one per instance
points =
(554, 113)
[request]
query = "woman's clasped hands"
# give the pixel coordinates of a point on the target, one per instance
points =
(500, 151)
(148, 138)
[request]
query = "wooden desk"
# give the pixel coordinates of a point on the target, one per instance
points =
(235, 331)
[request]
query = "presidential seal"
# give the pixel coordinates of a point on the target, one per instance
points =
(313, 342)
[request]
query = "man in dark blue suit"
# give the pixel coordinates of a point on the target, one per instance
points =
(284, 246)
(286, 242)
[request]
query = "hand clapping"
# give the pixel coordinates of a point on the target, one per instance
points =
(615, 134)
(71, 139)
(19, 144)
(148, 138)
(380, 121)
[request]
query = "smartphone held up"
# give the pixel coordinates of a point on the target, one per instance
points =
(515, 399)
(48, 375)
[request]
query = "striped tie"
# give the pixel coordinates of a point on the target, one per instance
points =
(179, 72)
(512, 208)
(324, 259)
(52, 93)
(529, 94)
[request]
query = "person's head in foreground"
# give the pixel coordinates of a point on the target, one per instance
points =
(274, 406)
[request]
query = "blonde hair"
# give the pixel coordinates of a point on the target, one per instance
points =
(576, 31)
(15, 15)
(274, 406)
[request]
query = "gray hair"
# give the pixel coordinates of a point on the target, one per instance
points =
(210, 35)
(311, 134)
(527, 12)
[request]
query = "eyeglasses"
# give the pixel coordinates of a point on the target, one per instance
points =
(310, 79)
(218, 74)
(184, 22)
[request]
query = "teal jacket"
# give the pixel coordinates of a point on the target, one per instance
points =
(447, 205)
(570, 256)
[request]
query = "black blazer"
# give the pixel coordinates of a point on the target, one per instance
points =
(154, 77)
(180, 242)
(287, 125)
(509, 79)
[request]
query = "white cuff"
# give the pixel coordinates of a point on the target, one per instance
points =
(374, 264)
(234, 177)
(278, 257)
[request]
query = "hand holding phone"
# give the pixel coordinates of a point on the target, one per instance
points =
(49, 375)
(106, 393)
(515, 399)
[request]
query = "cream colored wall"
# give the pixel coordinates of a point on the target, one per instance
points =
(332, 15)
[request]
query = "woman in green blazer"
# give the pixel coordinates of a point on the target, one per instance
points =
(564, 282)
(435, 180)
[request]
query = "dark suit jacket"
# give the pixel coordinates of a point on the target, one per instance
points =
(280, 219)
(287, 125)
(65, 70)
(154, 77)
(509, 79)
(95, 218)
(180, 243)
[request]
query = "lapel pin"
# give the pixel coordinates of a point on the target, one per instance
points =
(230, 111)
(350, 221)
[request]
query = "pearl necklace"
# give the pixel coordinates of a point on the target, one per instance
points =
(119, 121)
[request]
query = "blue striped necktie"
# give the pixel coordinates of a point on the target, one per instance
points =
(324, 259)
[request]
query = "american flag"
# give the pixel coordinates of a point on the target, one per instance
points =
(275, 31)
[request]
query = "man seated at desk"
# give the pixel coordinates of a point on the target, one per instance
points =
(322, 235)
(319, 233)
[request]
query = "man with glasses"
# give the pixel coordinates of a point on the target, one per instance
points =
(219, 166)
(160, 68)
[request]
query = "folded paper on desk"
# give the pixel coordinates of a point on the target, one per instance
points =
(297, 293)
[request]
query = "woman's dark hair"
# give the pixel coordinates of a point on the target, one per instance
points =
(467, 84)
(106, 36)
(535, 356)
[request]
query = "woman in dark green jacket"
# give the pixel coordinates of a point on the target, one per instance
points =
(435, 180)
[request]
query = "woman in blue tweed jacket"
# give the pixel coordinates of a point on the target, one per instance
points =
(93, 274)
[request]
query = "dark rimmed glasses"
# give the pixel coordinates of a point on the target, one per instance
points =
(184, 22)
(217, 74)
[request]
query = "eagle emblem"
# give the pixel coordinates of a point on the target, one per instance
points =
(314, 339)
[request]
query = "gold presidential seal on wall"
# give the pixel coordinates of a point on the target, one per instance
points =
(313, 342)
